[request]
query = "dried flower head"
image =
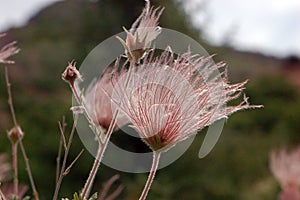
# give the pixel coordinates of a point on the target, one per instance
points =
(5, 168)
(7, 51)
(169, 99)
(15, 134)
(8, 191)
(71, 74)
(98, 103)
(143, 31)
(285, 165)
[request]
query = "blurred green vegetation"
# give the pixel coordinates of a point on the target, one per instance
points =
(237, 168)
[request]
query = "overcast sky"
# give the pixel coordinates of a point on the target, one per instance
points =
(268, 26)
(14, 13)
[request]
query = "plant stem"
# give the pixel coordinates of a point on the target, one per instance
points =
(62, 128)
(102, 147)
(63, 167)
(58, 159)
(28, 169)
(2, 197)
(89, 183)
(155, 162)
(107, 186)
(15, 167)
(10, 101)
(13, 114)
(81, 103)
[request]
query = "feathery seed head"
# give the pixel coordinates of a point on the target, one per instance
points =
(170, 98)
(98, 101)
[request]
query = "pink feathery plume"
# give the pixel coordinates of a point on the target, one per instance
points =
(170, 98)
(98, 101)
(285, 166)
(7, 51)
(142, 32)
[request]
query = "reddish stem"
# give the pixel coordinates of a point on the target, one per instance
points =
(155, 162)
(15, 167)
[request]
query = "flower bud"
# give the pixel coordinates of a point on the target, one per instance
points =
(71, 74)
(15, 134)
(142, 32)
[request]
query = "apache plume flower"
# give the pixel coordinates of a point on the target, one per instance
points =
(286, 169)
(5, 168)
(169, 99)
(143, 31)
(98, 103)
(7, 51)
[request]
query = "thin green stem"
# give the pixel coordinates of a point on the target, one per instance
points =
(155, 162)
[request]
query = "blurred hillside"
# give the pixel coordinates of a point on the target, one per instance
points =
(236, 169)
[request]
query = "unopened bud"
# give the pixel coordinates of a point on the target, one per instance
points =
(15, 134)
(134, 49)
(71, 74)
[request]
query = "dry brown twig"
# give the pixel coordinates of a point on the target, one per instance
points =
(62, 126)
(72, 163)
(67, 149)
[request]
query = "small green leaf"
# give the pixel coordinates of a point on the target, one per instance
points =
(26, 198)
(94, 196)
(76, 196)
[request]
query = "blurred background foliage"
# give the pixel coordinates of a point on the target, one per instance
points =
(237, 168)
